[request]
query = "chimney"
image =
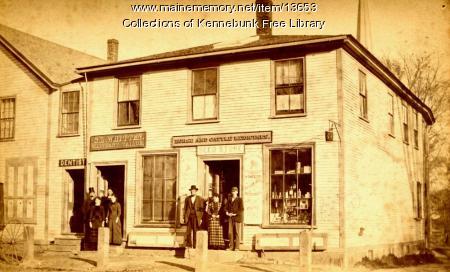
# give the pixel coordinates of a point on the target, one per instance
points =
(262, 14)
(112, 50)
(363, 33)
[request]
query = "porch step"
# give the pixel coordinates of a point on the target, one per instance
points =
(66, 243)
(64, 248)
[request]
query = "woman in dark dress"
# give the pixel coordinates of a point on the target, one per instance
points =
(96, 220)
(114, 224)
(215, 231)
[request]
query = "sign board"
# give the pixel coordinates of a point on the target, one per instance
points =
(118, 141)
(220, 149)
(72, 162)
(223, 139)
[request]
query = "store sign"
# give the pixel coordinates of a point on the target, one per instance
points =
(118, 141)
(72, 162)
(223, 139)
(220, 149)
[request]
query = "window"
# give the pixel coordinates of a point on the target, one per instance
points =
(128, 101)
(405, 123)
(289, 87)
(159, 188)
(419, 200)
(416, 130)
(362, 95)
(20, 191)
(391, 126)
(204, 94)
(7, 117)
(291, 186)
(70, 108)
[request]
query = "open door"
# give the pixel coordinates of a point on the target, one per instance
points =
(73, 201)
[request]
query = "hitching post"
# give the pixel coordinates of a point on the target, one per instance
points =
(28, 234)
(102, 247)
(201, 252)
(305, 251)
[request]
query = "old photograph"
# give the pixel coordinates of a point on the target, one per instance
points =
(225, 135)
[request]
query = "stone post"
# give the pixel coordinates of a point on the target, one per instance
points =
(102, 247)
(28, 235)
(201, 252)
(305, 251)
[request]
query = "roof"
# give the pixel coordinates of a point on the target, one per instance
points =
(278, 43)
(53, 63)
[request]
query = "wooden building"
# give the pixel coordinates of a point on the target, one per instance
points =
(315, 132)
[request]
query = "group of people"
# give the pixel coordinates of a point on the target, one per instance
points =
(223, 219)
(101, 211)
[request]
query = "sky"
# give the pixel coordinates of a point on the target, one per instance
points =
(397, 26)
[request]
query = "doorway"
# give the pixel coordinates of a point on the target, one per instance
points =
(73, 201)
(113, 177)
(221, 176)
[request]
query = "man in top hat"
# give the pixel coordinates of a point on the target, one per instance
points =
(234, 210)
(193, 213)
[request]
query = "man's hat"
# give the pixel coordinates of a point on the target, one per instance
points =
(193, 187)
(234, 189)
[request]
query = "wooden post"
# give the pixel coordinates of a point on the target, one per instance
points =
(28, 234)
(201, 251)
(305, 251)
(102, 247)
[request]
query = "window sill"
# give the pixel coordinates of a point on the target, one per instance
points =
(364, 119)
(268, 226)
(416, 147)
(278, 116)
(127, 127)
(67, 135)
(391, 135)
(156, 225)
(7, 140)
(405, 142)
(418, 218)
(195, 122)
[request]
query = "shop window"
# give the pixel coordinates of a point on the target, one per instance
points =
(159, 188)
(291, 195)
(70, 109)
(363, 95)
(204, 94)
(419, 200)
(289, 86)
(7, 118)
(128, 102)
(20, 192)
(416, 130)
(405, 123)
(391, 119)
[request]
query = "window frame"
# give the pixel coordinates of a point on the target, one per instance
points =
(14, 98)
(405, 123)
(140, 186)
(273, 113)
(116, 108)
(391, 115)
(416, 129)
(363, 96)
(419, 200)
(191, 96)
(267, 148)
(61, 133)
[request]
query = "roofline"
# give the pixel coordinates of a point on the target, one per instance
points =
(29, 64)
(131, 62)
(355, 46)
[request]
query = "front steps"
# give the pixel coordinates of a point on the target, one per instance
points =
(66, 243)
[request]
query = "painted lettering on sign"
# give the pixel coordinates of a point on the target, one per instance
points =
(118, 141)
(226, 138)
(220, 149)
(72, 162)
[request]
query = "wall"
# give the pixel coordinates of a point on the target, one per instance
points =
(380, 170)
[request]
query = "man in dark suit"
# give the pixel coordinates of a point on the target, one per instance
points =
(234, 210)
(193, 213)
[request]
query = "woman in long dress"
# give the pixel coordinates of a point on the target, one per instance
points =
(96, 220)
(215, 231)
(115, 227)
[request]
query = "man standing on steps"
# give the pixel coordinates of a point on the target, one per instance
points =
(193, 214)
(234, 210)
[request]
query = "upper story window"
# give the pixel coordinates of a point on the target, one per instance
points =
(416, 129)
(128, 101)
(362, 95)
(391, 119)
(7, 117)
(204, 94)
(289, 86)
(70, 109)
(419, 199)
(405, 123)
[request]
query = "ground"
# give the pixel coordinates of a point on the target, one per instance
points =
(154, 261)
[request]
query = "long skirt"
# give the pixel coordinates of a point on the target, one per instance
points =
(115, 232)
(215, 233)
